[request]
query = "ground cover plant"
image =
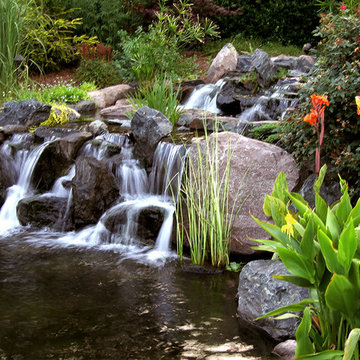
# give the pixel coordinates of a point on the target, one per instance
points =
(320, 248)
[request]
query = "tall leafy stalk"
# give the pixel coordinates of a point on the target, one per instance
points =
(204, 214)
(11, 31)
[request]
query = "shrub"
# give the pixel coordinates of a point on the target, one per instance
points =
(337, 75)
(101, 73)
(49, 42)
(290, 22)
(321, 250)
(157, 51)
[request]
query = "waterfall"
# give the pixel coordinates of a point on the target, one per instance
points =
(24, 163)
(138, 193)
(204, 97)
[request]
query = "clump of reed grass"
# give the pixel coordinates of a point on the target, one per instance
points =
(205, 214)
(160, 95)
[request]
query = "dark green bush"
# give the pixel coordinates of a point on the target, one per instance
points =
(338, 77)
(99, 72)
(289, 21)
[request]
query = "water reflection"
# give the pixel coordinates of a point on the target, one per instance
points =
(78, 303)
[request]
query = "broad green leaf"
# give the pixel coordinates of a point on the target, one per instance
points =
(297, 264)
(344, 209)
(324, 355)
(342, 296)
(304, 208)
(355, 213)
(278, 211)
(347, 246)
(267, 205)
(274, 231)
(286, 316)
(321, 207)
(333, 226)
(300, 203)
(307, 245)
(320, 179)
(304, 344)
(300, 306)
(351, 343)
(280, 189)
(330, 253)
(298, 281)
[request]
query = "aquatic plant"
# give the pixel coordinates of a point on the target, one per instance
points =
(204, 214)
(321, 249)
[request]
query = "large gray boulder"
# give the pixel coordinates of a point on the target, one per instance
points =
(108, 96)
(254, 168)
(225, 61)
(94, 191)
(27, 112)
(148, 127)
(259, 293)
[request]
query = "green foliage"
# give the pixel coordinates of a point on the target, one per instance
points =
(321, 249)
(157, 51)
(101, 73)
(333, 6)
(11, 33)
(99, 19)
(159, 95)
(49, 42)
(337, 75)
(65, 93)
(290, 22)
(267, 132)
(204, 215)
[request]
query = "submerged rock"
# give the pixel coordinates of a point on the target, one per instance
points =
(94, 191)
(259, 293)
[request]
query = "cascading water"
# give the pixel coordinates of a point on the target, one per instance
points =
(24, 163)
(138, 192)
(204, 97)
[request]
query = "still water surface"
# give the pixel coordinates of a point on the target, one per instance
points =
(60, 301)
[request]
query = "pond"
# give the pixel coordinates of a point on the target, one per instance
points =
(64, 301)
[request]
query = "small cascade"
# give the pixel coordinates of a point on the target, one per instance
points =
(25, 161)
(204, 97)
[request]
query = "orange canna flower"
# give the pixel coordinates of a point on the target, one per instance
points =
(319, 100)
(311, 118)
(357, 100)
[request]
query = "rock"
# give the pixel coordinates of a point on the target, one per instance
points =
(8, 130)
(108, 96)
(329, 191)
(42, 211)
(150, 221)
(254, 168)
(84, 107)
(305, 63)
(117, 111)
(27, 113)
(264, 67)
(244, 63)
(56, 159)
(148, 127)
(97, 127)
(285, 350)
(94, 191)
(284, 61)
(226, 60)
(44, 133)
(259, 293)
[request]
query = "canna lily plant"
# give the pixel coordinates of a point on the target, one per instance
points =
(320, 248)
(316, 118)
